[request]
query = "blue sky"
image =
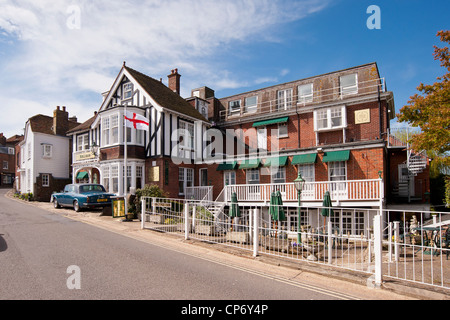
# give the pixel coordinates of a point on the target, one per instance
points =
(69, 52)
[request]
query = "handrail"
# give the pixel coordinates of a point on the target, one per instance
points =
(318, 96)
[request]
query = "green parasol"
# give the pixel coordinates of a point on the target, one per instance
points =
(326, 204)
(234, 208)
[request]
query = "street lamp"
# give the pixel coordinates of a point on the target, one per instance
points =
(299, 183)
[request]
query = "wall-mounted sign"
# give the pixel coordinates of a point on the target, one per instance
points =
(84, 156)
(362, 116)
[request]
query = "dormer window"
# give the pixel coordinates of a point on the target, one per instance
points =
(349, 84)
(127, 90)
(234, 106)
(305, 93)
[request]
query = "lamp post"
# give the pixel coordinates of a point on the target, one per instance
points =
(299, 184)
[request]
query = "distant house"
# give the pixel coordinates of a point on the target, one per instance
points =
(44, 156)
(7, 164)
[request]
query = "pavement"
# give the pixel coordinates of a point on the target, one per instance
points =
(354, 283)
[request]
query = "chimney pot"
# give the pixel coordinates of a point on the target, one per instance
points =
(174, 81)
(64, 108)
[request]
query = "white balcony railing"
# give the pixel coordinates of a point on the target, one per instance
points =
(346, 190)
(199, 193)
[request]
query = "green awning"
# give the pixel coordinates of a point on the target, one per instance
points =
(250, 164)
(336, 156)
(270, 121)
(276, 162)
(304, 158)
(227, 166)
(82, 175)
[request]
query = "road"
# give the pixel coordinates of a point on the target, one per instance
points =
(38, 246)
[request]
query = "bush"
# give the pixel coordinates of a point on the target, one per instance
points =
(148, 191)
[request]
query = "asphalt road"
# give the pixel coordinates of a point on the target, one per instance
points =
(38, 246)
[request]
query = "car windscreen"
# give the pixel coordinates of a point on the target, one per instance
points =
(90, 188)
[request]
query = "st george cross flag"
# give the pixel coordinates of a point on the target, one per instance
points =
(134, 120)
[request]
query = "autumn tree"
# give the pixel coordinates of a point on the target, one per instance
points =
(430, 111)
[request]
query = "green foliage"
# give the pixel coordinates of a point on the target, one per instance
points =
(148, 191)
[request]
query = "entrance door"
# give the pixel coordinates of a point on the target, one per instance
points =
(403, 176)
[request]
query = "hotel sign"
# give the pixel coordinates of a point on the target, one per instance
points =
(87, 155)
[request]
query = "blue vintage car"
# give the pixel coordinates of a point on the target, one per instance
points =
(81, 196)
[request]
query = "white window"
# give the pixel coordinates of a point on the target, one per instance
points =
(283, 130)
(284, 99)
(83, 142)
(307, 172)
(29, 150)
(262, 138)
(251, 104)
(234, 106)
(127, 90)
(252, 176)
(115, 129)
(186, 136)
(278, 174)
(10, 150)
(305, 93)
(5, 165)
(115, 178)
(139, 180)
(229, 177)
(330, 119)
(45, 180)
(337, 171)
(106, 177)
(47, 150)
(185, 179)
(349, 84)
(105, 130)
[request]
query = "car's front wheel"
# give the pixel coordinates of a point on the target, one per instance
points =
(76, 206)
(56, 204)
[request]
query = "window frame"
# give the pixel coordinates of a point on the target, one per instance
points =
(45, 180)
(285, 102)
(251, 174)
(305, 98)
(127, 90)
(47, 154)
(253, 107)
(348, 89)
(283, 134)
(325, 115)
(232, 109)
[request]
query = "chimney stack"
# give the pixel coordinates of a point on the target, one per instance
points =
(60, 121)
(174, 81)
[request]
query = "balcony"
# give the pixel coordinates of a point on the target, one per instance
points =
(352, 192)
(317, 97)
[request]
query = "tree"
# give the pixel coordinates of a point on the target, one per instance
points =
(431, 110)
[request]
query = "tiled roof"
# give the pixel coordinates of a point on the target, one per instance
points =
(84, 126)
(164, 96)
(43, 124)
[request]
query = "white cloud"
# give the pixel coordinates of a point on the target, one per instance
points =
(55, 62)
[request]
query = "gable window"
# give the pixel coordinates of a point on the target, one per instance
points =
(115, 129)
(305, 93)
(45, 180)
(250, 104)
(83, 142)
(348, 84)
(186, 138)
(234, 106)
(47, 151)
(127, 90)
(105, 129)
(284, 99)
(329, 119)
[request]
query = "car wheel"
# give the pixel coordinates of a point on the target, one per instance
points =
(76, 206)
(56, 204)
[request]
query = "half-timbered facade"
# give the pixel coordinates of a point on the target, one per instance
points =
(175, 132)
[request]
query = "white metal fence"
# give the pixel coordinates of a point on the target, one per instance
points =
(401, 245)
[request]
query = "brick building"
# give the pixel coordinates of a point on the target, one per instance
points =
(332, 128)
